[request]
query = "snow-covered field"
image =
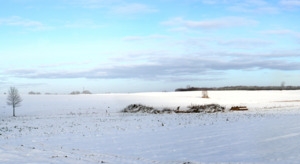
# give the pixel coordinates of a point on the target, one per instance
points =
(91, 129)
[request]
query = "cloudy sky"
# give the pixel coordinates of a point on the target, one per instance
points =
(59, 46)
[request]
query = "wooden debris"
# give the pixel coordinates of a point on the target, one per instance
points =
(238, 108)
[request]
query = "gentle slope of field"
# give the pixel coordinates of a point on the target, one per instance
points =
(91, 129)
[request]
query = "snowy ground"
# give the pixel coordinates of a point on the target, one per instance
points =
(91, 129)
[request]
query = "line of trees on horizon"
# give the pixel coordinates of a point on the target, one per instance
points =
(78, 92)
(240, 87)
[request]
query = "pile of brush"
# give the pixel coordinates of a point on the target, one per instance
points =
(208, 108)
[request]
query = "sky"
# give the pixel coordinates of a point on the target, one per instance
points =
(104, 46)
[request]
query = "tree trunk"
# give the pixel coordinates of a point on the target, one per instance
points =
(14, 112)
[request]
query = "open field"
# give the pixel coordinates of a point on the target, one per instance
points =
(91, 129)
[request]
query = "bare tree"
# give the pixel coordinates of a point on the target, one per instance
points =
(282, 85)
(13, 98)
(205, 94)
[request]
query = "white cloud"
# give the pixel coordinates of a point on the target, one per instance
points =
(22, 22)
(255, 6)
(83, 23)
(133, 8)
(170, 67)
(261, 9)
(93, 3)
(279, 32)
(246, 43)
(287, 32)
(257, 2)
(211, 2)
(142, 38)
(64, 64)
(223, 22)
(246, 6)
(119, 7)
(290, 3)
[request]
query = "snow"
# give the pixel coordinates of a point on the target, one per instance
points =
(91, 129)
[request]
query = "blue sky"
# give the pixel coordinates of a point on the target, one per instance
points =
(59, 46)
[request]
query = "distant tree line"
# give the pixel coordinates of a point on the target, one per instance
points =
(249, 88)
(34, 93)
(78, 92)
